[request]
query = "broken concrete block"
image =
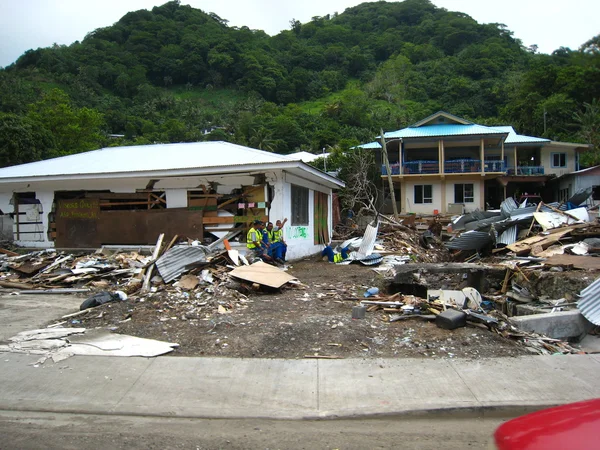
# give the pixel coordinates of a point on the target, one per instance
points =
(451, 319)
(568, 325)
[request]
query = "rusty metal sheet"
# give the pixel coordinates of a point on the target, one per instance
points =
(577, 262)
(129, 227)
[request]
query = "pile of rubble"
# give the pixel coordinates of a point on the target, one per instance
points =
(521, 228)
(191, 277)
(451, 309)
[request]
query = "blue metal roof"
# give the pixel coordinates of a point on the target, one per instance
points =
(514, 138)
(370, 145)
(428, 131)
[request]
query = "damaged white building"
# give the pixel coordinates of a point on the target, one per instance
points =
(202, 190)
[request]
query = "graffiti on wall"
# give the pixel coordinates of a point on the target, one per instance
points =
(297, 233)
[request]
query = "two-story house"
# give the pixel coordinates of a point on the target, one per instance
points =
(445, 164)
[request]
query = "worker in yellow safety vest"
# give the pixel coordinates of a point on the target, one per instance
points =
(334, 256)
(254, 241)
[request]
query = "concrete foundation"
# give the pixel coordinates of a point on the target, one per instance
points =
(570, 325)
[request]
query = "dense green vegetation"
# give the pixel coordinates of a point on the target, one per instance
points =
(178, 74)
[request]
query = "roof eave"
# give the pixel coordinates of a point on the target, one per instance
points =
(198, 171)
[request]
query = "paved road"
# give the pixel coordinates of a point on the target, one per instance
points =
(30, 311)
(82, 432)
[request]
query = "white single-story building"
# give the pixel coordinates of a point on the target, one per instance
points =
(570, 183)
(129, 195)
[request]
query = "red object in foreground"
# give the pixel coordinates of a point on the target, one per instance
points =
(574, 427)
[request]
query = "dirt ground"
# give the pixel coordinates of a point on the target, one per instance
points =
(303, 321)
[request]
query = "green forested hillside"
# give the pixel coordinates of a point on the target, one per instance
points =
(176, 74)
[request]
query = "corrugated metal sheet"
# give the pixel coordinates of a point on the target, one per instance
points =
(580, 196)
(509, 236)
(514, 138)
(140, 158)
(483, 224)
(589, 302)
(368, 241)
(370, 145)
(178, 260)
(507, 206)
(471, 240)
(444, 130)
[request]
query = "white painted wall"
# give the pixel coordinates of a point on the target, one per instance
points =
(423, 208)
(477, 200)
(300, 238)
(546, 156)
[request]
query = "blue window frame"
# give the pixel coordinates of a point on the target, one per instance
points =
(558, 160)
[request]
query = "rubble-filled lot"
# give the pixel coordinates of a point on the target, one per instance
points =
(410, 295)
(307, 321)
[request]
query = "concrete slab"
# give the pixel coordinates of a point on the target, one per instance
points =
(557, 325)
(363, 387)
(595, 357)
(28, 312)
(541, 380)
(81, 383)
(590, 344)
(223, 387)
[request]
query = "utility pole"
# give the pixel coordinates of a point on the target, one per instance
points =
(386, 161)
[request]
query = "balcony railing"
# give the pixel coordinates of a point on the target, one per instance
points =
(494, 166)
(456, 166)
(420, 167)
(526, 170)
(462, 166)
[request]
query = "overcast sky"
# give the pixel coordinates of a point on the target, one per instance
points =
(26, 24)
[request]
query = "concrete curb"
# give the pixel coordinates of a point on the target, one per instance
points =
(225, 388)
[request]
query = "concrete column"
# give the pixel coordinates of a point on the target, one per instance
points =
(443, 158)
(482, 194)
(400, 155)
(516, 160)
(403, 193)
(482, 155)
(46, 199)
(502, 152)
(444, 204)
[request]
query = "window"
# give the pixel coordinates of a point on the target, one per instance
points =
(463, 193)
(559, 159)
(299, 205)
(423, 193)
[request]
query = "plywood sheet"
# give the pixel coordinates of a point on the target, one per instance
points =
(262, 273)
(578, 262)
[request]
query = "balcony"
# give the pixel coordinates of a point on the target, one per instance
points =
(450, 167)
(526, 170)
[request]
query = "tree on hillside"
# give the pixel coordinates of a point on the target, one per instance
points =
(74, 130)
(589, 121)
(22, 140)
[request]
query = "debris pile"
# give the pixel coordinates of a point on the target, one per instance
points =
(451, 309)
(522, 229)
(191, 278)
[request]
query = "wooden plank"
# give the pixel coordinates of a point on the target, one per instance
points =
(138, 227)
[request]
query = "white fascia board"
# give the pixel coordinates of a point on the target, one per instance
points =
(198, 171)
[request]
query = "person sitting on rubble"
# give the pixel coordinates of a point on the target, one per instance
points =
(254, 241)
(334, 256)
(276, 246)
(278, 234)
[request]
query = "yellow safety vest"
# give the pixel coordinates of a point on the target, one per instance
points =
(338, 258)
(251, 237)
(271, 235)
(278, 235)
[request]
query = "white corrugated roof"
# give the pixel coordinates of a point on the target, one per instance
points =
(146, 158)
(514, 138)
(306, 156)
